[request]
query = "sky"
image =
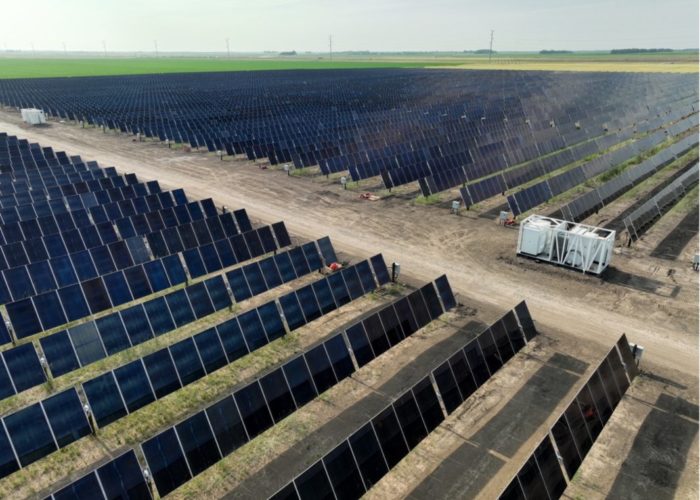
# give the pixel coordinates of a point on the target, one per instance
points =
(375, 25)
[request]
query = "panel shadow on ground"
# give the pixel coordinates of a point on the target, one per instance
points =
(472, 465)
(287, 464)
(659, 453)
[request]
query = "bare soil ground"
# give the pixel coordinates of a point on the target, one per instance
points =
(655, 307)
(478, 450)
(681, 242)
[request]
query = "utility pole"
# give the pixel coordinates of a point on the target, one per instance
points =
(33, 51)
(228, 50)
(330, 47)
(155, 44)
(65, 51)
(491, 47)
(104, 47)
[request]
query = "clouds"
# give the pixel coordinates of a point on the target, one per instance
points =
(390, 25)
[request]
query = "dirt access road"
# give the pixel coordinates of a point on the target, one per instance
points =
(475, 253)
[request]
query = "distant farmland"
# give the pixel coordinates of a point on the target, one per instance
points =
(29, 67)
(49, 67)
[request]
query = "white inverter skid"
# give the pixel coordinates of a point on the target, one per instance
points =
(586, 248)
(33, 116)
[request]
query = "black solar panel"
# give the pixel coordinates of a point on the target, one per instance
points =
(577, 428)
(385, 439)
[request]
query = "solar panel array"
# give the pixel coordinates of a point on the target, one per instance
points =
(574, 433)
(536, 194)
(83, 344)
(510, 178)
(197, 262)
(119, 392)
(443, 126)
(594, 200)
(358, 462)
(637, 222)
(178, 453)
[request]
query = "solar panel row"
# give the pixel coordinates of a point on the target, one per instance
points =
(166, 370)
(181, 452)
(133, 216)
(576, 430)
(361, 460)
(98, 249)
(124, 390)
(21, 155)
(541, 192)
(510, 176)
(40, 429)
(592, 201)
(81, 345)
(254, 408)
(407, 124)
(637, 222)
(76, 196)
(443, 168)
(69, 303)
(70, 349)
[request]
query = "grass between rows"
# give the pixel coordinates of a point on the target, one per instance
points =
(135, 428)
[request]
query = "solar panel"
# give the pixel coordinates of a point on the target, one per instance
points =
(24, 367)
(134, 385)
(161, 373)
(30, 434)
(380, 270)
(277, 394)
(7, 388)
(87, 343)
(166, 461)
(573, 433)
(343, 471)
(232, 339)
(159, 317)
(187, 361)
(300, 381)
(281, 234)
(66, 417)
(227, 425)
(123, 478)
(198, 442)
(385, 439)
(210, 349)
(312, 255)
(253, 409)
(85, 487)
(104, 398)
(180, 308)
(445, 292)
(369, 456)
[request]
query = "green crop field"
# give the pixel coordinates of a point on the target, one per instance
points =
(39, 67)
(50, 67)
